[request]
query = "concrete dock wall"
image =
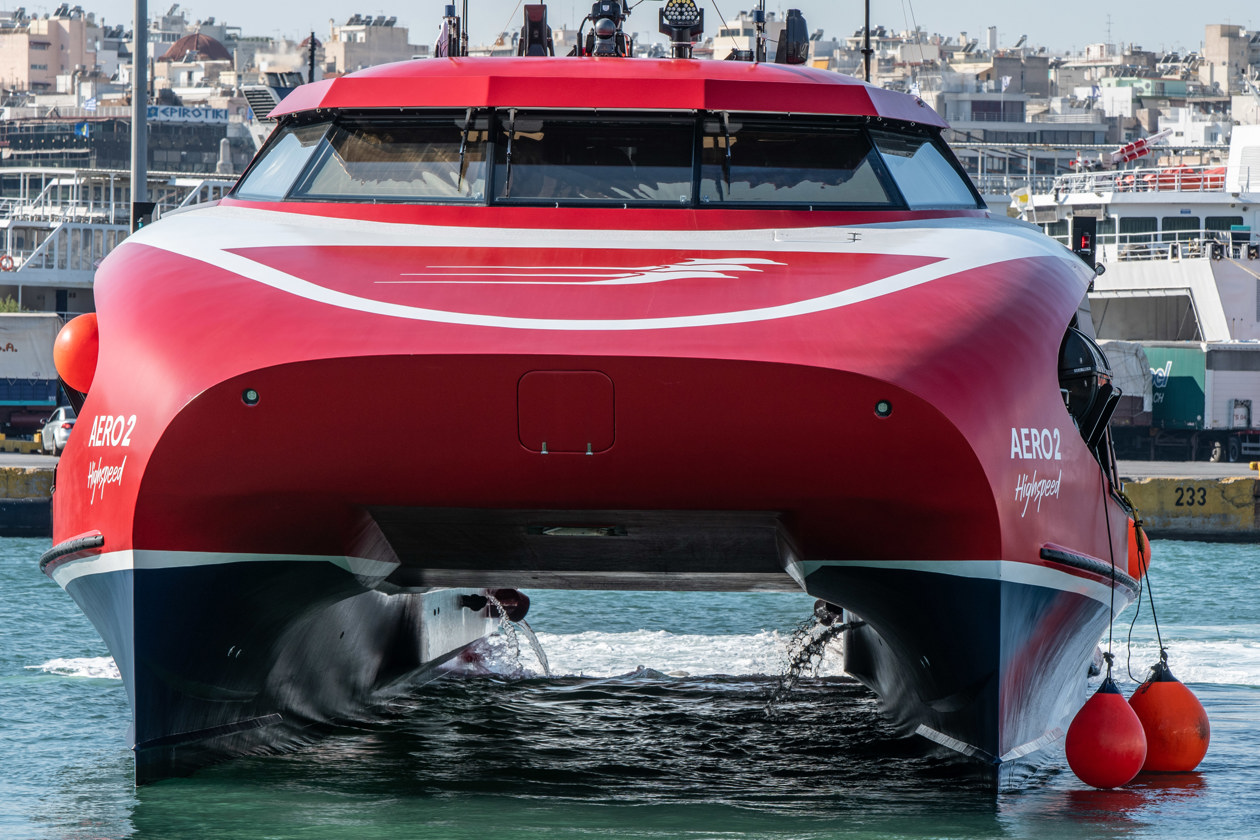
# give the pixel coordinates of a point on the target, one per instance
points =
(1222, 509)
(26, 501)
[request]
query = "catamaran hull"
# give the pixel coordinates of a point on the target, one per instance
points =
(231, 655)
(988, 659)
(513, 393)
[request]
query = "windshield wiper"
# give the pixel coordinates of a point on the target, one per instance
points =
(726, 161)
(463, 147)
(507, 178)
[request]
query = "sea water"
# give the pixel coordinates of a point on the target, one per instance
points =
(653, 725)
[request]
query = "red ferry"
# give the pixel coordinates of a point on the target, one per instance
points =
(633, 324)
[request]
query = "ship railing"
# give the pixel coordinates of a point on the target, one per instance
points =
(64, 222)
(1196, 179)
(72, 246)
(205, 190)
(1173, 245)
(1004, 184)
(1084, 118)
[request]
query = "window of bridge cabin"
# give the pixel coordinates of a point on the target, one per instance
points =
(613, 159)
(749, 161)
(270, 177)
(429, 158)
(926, 176)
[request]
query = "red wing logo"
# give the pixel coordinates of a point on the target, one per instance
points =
(554, 275)
(561, 286)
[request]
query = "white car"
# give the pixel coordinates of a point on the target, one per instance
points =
(57, 430)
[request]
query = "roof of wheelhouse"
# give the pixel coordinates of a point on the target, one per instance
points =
(607, 83)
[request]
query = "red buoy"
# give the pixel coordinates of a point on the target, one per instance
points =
(1139, 550)
(1176, 726)
(75, 350)
(1106, 745)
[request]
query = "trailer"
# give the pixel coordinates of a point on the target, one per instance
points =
(1205, 402)
(28, 379)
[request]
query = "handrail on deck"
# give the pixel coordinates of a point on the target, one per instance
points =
(1163, 179)
(97, 202)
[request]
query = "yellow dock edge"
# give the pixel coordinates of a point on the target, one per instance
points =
(27, 447)
(24, 483)
(1217, 509)
(26, 501)
(1220, 509)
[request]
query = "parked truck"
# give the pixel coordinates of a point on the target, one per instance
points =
(28, 380)
(1205, 400)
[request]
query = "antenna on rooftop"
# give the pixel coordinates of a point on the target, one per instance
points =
(759, 24)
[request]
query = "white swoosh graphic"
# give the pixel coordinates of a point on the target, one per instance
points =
(960, 245)
(692, 269)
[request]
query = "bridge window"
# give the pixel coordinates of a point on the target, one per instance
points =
(925, 176)
(589, 159)
(270, 176)
(549, 158)
(745, 161)
(375, 159)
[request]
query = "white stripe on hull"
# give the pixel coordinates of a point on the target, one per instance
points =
(998, 570)
(364, 568)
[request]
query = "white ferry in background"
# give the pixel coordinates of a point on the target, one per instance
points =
(1180, 246)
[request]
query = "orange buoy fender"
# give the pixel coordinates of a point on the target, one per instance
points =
(1176, 725)
(1139, 550)
(75, 351)
(1106, 745)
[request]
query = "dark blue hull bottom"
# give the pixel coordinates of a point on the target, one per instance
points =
(991, 668)
(226, 657)
(235, 658)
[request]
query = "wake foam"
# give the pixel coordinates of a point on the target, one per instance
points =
(601, 655)
(96, 668)
(1213, 658)
(1218, 659)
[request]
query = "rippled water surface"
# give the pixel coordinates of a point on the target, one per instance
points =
(655, 727)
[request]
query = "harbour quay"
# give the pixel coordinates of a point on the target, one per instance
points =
(1195, 501)
(26, 500)
(1176, 500)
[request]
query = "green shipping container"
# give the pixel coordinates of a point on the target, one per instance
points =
(1178, 376)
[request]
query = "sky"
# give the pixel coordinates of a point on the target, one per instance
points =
(1059, 24)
